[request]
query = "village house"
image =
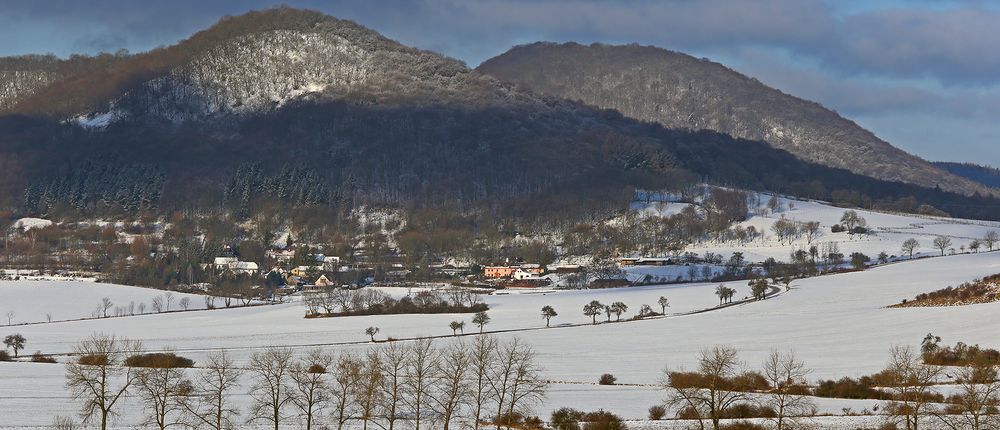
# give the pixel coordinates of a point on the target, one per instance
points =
(330, 263)
(283, 256)
(645, 261)
(517, 271)
(302, 270)
(499, 271)
(523, 275)
(534, 269)
(565, 268)
(236, 266)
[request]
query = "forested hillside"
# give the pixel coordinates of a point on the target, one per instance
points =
(986, 175)
(680, 91)
(295, 108)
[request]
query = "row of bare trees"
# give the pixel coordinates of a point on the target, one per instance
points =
(721, 387)
(414, 385)
(332, 300)
(721, 384)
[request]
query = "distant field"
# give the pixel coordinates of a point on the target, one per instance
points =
(35, 301)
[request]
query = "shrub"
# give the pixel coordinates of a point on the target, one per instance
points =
(607, 379)
(603, 420)
(37, 357)
(93, 360)
(518, 420)
(534, 423)
(159, 360)
(657, 412)
(742, 425)
(566, 419)
(746, 410)
(849, 388)
(4, 356)
(571, 419)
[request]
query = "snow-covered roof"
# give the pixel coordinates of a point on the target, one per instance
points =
(220, 261)
(30, 223)
(244, 265)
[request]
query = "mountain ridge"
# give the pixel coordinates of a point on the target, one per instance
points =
(680, 91)
(386, 125)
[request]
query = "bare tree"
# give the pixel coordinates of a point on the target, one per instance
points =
(10, 317)
(157, 304)
(618, 308)
(422, 360)
(664, 304)
(592, 310)
(909, 246)
(369, 388)
(393, 372)
(851, 221)
(451, 387)
(455, 326)
(15, 342)
(481, 359)
(311, 386)
(974, 406)
(346, 374)
(911, 382)
(514, 379)
(713, 389)
(811, 230)
(371, 332)
(481, 319)
(168, 299)
(270, 391)
(786, 377)
(529, 386)
(98, 378)
(548, 312)
(162, 386)
(106, 305)
(185, 303)
(942, 243)
(991, 238)
(216, 382)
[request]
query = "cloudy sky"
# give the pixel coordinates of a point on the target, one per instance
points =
(922, 74)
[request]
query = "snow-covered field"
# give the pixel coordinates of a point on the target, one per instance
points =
(838, 324)
(37, 301)
(889, 231)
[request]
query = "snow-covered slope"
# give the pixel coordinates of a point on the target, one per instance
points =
(36, 301)
(18, 84)
(888, 231)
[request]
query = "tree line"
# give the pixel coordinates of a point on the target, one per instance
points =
(484, 382)
(97, 187)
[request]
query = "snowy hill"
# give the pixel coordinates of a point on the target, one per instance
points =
(888, 231)
(38, 301)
